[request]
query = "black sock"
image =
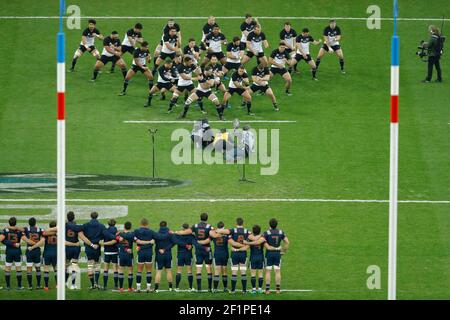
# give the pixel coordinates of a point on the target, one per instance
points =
(173, 102)
(278, 287)
(150, 84)
(74, 277)
(199, 281)
(200, 104)
(220, 109)
(138, 278)
(116, 279)
(186, 96)
(46, 279)
(287, 90)
(170, 285)
(38, 277)
(113, 66)
(97, 276)
(177, 280)
(267, 286)
(67, 275)
(149, 99)
(190, 280)
(341, 62)
(210, 281)
(233, 283)
(253, 281)
(125, 85)
(149, 277)
(74, 62)
(186, 108)
(314, 71)
(130, 280)
(260, 282)
(156, 286)
(121, 280)
(244, 282)
(30, 279)
(19, 278)
(249, 107)
(105, 279)
(216, 282)
(124, 72)
(225, 281)
(95, 74)
(317, 63)
(56, 276)
(8, 279)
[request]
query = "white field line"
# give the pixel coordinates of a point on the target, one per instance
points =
(233, 200)
(227, 17)
(212, 121)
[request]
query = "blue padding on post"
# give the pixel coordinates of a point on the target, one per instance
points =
(61, 47)
(395, 51)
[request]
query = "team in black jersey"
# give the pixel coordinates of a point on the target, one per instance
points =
(199, 71)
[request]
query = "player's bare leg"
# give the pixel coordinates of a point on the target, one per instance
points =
(130, 74)
(243, 269)
(78, 53)
(157, 280)
(97, 67)
(319, 57)
(130, 279)
(268, 274)
(213, 98)
(151, 92)
(169, 277)
(278, 279)
(192, 98)
(272, 97)
(287, 83)
(340, 55)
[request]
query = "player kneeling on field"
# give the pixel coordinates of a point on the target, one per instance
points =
(141, 57)
(278, 59)
(111, 53)
(239, 83)
(261, 77)
(205, 83)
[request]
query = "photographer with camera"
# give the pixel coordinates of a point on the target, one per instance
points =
(434, 48)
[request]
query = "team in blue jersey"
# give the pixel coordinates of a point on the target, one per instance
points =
(200, 244)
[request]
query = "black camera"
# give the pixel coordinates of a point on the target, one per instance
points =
(423, 52)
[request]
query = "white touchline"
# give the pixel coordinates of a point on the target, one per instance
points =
(226, 17)
(233, 200)
(212, 121)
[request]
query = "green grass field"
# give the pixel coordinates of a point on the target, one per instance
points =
(338, 148)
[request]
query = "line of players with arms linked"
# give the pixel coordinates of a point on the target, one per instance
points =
(177, 69)
(119, 247)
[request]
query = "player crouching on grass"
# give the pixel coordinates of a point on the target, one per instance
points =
(332, 36)
(205, 83)
(303, 42)
(87, 43)
(141, 57)
(278, 60)
(111, 53)
(165, 81)
(261, 77)
(239, 83)
(274, 238)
